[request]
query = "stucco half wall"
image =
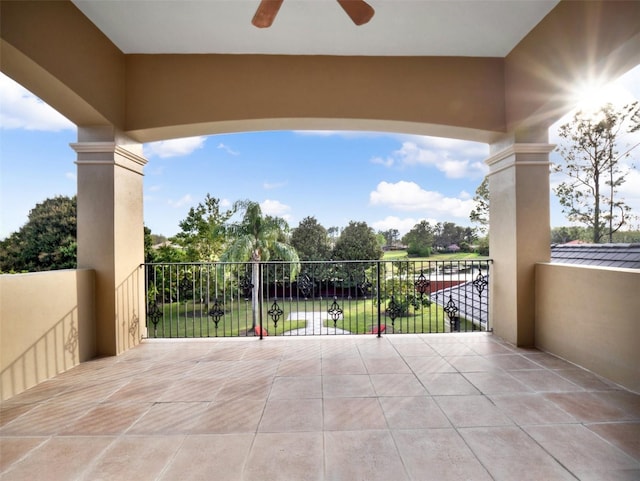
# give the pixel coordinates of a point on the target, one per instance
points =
(47, 326)
(591, 316)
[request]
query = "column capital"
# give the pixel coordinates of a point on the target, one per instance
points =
(519, 154)
(115, 155)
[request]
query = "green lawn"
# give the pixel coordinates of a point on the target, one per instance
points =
(401, 255)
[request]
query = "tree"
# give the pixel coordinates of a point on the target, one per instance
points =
(591, 163)
(357, 241)
(419, 240)
(390, 237)
(256, 238)
(46, 242)
(562, 235)
(311, 240)
(480, 212)
(203, 231)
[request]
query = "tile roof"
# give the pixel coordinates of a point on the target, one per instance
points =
(606, 255)
(471, 299)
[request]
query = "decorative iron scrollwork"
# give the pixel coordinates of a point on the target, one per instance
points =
(422, 285)
(305, 285)
(480, 283)
(275, 312)
(185, 287)
(154, 313)
(246, 286)
(452, 312)
(216, 312)
(365, 286)
(335, 311)
(393, 311)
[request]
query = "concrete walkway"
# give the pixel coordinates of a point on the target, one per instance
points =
(315, 324)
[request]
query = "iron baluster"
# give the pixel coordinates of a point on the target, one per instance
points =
(216, 312)
(155, 314)
(335, 311)
(452, 313)
(275, 312)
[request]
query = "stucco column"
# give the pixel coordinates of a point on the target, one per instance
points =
(111, 233)
(519, 235)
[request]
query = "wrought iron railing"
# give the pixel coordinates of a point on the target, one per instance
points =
(314, 298)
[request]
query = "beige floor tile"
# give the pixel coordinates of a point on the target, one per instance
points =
(429, 365)
(418, 348)
(59, 459)
(141, 458)
(590, 406)
(581, 450)
(236, 389)
(547, 360)
(344, 414)
(543, 380)
(386, 365)
(299, 367)
(291, 415)
(239, 416)
(296, 387)
(45, 419)
(626, 436)
(347, 386)
(285, 456)
(454, 349)
(107, 419)
(465, 411)
(419, 412)
(10, 411)
(206, 457)
(511, 362)
(446, 384)
(470, 363)
(495, 382)
(586, 379)
(397, 385)
(510, 454)
(438, 455)
(362, 455)
(169, 419)
(192, 390)
(144, 390)
(14, 449)
(338, 366)
(531, 408)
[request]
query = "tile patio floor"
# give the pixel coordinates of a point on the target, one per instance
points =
(403, 407)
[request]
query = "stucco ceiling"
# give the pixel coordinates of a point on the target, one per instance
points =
(473, 28)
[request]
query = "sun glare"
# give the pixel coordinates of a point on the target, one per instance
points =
(591, 96)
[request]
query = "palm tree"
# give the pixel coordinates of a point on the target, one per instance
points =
(256, 237)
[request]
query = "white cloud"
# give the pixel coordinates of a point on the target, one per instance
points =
(182, 201)
(455, 158)
(174, 147)
(275, 208)
(409, 196)
(227, 149)
(71, 175)
(20, 109)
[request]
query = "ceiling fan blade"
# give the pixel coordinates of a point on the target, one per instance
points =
(358, 10)
(266, 13)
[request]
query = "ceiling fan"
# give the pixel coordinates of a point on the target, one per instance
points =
(359, 11)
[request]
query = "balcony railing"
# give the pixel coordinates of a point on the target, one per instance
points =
(316, 298)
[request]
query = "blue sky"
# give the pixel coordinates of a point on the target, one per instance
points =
(387, 180)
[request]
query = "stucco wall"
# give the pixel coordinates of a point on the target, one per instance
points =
(591, 316)
(46, 326)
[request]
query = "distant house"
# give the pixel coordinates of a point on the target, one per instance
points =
(606, 255)
(472, 299)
